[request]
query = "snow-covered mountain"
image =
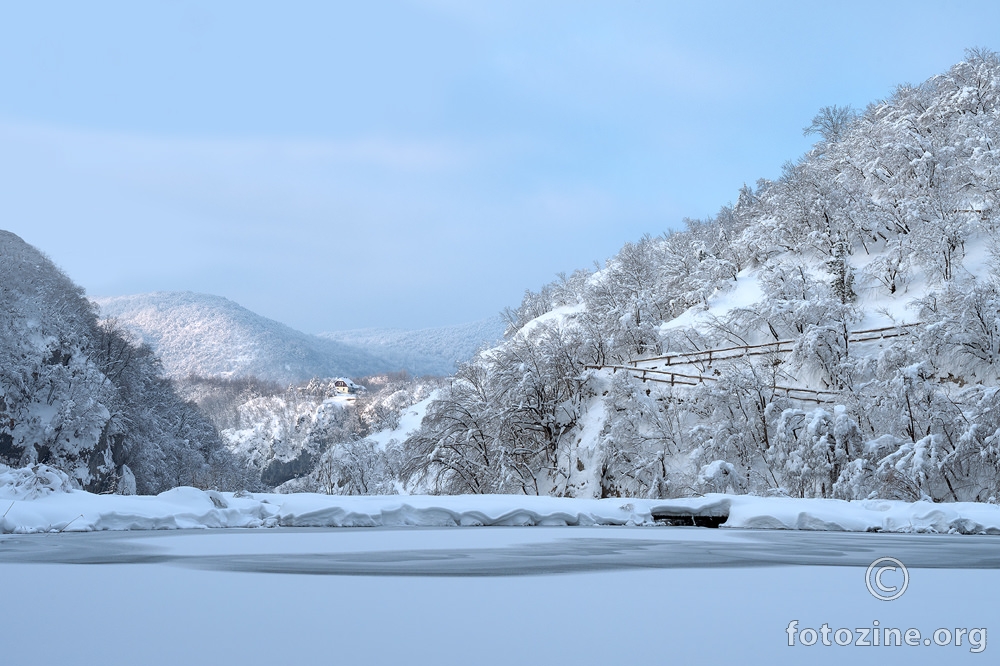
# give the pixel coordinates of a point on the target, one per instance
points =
(211, 336)
(427, 351)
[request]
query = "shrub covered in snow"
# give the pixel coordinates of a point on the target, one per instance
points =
(28, 483)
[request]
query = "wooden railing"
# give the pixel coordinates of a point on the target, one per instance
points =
(679, 379)
(653, 373)
(778, 347)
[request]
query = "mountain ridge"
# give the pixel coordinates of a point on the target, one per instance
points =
(437, 350)
(212, 336)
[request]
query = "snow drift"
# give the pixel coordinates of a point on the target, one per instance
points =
(40, 500)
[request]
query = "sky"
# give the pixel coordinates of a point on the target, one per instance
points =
(417, 163)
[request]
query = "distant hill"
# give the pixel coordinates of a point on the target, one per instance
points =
(427, 351)
(212, 336)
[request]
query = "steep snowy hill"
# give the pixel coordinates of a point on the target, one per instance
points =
(428, 351)
(834, 333)
(212, 336)
(78, 396)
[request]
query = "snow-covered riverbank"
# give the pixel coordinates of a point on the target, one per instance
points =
(41, 500)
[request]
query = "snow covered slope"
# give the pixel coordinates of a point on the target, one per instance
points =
(213, 336)
(834, 333)
(77, 396)
(427, 351)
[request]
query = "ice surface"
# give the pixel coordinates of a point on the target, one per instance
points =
(583, 596)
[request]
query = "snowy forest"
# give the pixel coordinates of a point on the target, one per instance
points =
(890, 219)
(78, 395)
(833, 333)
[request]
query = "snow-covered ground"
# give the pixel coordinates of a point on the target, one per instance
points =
(41, 499)
(409, 421)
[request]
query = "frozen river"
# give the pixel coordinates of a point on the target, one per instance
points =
(515, 595)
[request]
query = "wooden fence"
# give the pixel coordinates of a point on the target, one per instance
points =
(679, 379)
(653, 373)
(778, 347)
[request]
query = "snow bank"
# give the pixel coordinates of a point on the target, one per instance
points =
(863, 515)
(41, 500)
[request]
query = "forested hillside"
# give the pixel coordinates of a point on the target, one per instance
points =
(268, 390)
(78, 395)
(890, 219)
(311, 437)
(211, 336)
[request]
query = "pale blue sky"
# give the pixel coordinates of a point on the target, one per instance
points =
(411, 164)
